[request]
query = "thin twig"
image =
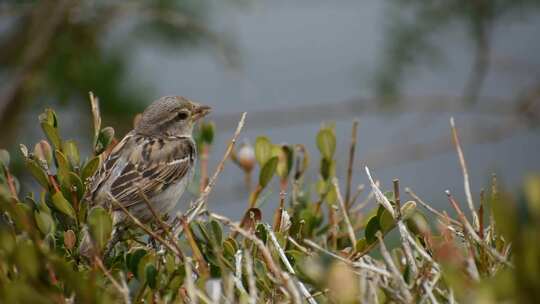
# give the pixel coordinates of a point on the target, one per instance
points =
(465, 172)
(344, 209)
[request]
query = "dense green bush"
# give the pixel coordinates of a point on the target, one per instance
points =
(320, 247)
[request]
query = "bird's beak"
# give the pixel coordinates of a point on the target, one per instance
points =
(200, 111)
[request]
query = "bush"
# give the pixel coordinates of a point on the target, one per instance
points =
(319, 248)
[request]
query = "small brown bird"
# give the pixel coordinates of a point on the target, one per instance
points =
(157, 157)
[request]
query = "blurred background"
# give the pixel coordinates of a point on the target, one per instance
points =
(401, 67)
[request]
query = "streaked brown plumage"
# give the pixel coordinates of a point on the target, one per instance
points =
(157, 157)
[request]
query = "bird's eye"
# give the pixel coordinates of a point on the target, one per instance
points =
(182, 115)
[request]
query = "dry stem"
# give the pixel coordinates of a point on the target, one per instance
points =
(463, 165)
(344, 209)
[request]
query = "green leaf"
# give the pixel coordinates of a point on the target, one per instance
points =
(267, 171)
(37, 172)
(145, 261)
(361, 245)
(207, 132)
(27, 260)
(105, 138)
(133, 258)
(229, 248)
(371, 229)
(49, 125)
(45, 222)
(322, 187)
(327, 168)
(417, 223)
(100, 224)
(263, 150)
(386, 221)
(326, 143)
(217, 232)
(90, 168)
(72, 153)
(302, 160)
(289, 156)
(52, 135)
(43, 203)
(151, 276)
(285, 154)
(62, 163)
(331, 197)
(72, 182)
(60, 203)
(261, 232)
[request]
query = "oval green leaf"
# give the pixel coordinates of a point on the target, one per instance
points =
(60, 203)
(371, 229)
(72, 153)
(263, 150)
(100, 224)
(45, 222)
(37, 172)
(326, 143)
(267, 171)
(386, 221)
(90, 168)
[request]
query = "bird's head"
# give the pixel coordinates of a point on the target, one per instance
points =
(171, 116)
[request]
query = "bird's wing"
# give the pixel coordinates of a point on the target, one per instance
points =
(145, 164)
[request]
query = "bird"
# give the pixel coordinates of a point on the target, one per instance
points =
(156, 158)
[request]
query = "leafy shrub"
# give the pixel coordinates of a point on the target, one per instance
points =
(320, 247)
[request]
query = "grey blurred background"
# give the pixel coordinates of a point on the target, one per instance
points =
(401, 67)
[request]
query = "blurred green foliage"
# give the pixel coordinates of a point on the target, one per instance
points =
(60, 50)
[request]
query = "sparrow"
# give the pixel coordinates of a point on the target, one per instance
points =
(156, 158)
